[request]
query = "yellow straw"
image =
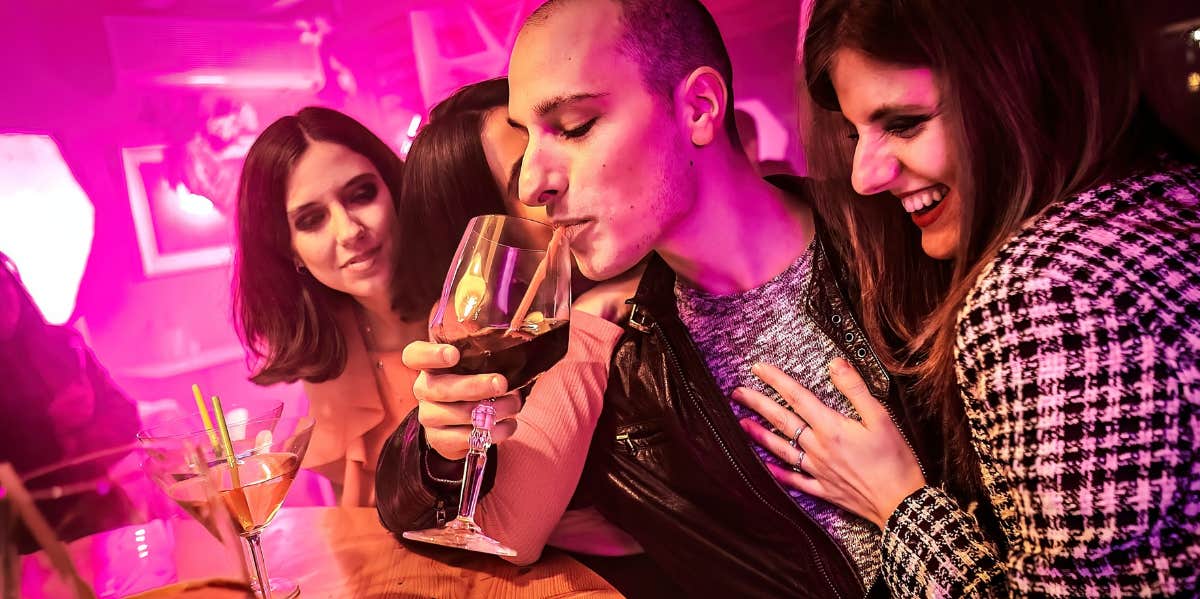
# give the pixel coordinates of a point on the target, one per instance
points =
(229, 455)
(208, 425)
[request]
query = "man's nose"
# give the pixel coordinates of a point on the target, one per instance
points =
(543, 176)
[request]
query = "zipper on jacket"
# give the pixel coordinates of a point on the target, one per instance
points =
(853, 327)
(729, 456)
(624, 439)
(852, 323)
(904, 435)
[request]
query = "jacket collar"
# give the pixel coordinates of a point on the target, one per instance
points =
(656, 292)
(827, 305)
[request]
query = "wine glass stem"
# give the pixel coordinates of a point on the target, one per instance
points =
(260, 565)
(482, 418)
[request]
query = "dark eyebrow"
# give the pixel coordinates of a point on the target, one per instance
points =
(888, 111)
(343, 192)
(546, 107)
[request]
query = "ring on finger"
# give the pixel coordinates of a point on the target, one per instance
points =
(799, 431)
(798, 465)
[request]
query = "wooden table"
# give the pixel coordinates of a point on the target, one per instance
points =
(330, 552)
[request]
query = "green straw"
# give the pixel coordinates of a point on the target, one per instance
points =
(208, 425)
(228, 444)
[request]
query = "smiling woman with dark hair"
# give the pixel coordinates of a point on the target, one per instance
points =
(318, 256)
(1062, 361)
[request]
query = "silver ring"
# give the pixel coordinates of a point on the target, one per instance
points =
(798, 465)
(799, 431)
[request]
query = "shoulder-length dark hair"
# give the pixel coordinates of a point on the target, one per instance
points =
(447, 181)
(1040, 102)
(284, 316)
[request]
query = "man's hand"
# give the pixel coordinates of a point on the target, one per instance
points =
(445, 401)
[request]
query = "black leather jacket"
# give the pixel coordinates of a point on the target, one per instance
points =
(671, 466)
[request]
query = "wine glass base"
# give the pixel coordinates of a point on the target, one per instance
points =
(281, 588)
(460, 539)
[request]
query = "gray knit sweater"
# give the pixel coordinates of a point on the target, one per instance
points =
(769, 324)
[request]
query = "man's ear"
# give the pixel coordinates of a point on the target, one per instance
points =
(702, 102)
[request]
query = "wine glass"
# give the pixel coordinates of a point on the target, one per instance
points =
(191, 468)
(506, 306)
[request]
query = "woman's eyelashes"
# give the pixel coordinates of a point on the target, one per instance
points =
(312, 218)
(903, 127)
(907, 127)
(364, 194)
(309, 220)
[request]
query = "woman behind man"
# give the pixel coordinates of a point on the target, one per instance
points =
(319, 257)
(463, 163)
(1062, 360)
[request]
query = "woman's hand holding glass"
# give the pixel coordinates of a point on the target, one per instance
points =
(865, 467)
(445, 401)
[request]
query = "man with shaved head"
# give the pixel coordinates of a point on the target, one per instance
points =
(633, 151)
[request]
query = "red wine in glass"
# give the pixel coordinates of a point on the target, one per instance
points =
(520, 356)
(506, 306)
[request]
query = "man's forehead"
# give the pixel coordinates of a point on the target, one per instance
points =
(550, 61)
(575, 16)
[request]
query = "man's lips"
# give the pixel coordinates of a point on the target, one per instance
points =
(570, 226)
(566, 223)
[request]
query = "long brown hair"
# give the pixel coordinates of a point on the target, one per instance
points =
(447, 180)
(1041, 102)
(284, 316)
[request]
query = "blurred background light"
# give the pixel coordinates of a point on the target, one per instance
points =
(47, 222)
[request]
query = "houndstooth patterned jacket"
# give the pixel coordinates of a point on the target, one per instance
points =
(1079, 362)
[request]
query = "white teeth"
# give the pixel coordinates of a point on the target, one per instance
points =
(924, 199)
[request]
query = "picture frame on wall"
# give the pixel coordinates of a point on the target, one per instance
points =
(177, 229)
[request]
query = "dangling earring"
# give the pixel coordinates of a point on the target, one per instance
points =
(300, 268)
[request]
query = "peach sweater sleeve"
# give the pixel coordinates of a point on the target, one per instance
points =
(540, 465)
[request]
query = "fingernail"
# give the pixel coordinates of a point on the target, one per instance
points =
(756, 368)
(737, 394)
(837, 366)
(497, 385)
(447, 353)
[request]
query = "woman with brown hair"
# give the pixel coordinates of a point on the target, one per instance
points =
(463, 163)
(459, 167)
(318, 258)
(1061, 359)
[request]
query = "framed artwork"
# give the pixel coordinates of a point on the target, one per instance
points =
(178, 229)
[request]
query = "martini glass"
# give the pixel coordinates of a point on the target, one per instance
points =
(191, 470)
